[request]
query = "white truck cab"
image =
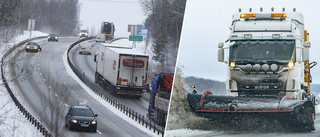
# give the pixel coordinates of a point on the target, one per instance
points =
(268, 52)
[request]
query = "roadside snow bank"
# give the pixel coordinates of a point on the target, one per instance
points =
(12, 121)
(180, 115)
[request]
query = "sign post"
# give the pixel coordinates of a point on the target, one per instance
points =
(31, 23)
(134, 29)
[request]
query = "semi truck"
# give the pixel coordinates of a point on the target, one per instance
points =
(121, 70)
(268, 72)
(108, 29)
(160, 98)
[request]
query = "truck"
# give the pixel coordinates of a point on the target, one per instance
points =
(268, 72)
(108, 29)
(160, 98)
(121, 70)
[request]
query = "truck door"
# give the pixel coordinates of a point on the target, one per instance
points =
(133, 70)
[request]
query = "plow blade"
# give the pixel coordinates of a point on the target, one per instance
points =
(226, 107)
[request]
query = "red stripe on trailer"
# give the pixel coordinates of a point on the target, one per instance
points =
(216, 111)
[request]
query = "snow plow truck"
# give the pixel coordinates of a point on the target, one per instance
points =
(268, 72)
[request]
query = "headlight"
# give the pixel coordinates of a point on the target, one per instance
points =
(48, 37)
(35, 47)
(291, 65)
(27, 47)
(74, 121)
(56, 37)
(232, 64)
(94, 122)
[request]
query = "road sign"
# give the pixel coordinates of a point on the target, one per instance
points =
(135, 38)
(31, 23)
(134, 29)
(144, 31)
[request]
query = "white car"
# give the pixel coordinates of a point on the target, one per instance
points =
(85, 48)
(100, 38)
(83, 33)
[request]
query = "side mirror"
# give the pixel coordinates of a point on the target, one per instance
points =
(95, 115)
(95, 58)
(220, 52)
(220, 45)
(307, 44)
(305, 54)
(221, 55)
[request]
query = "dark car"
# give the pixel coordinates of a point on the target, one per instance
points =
(81, 117)
(53, 37)
(33, 46)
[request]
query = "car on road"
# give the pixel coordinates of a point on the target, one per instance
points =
(32, 46)
(85, 48)
(53, 37)
(81, 117)
(83, 33)
(100, 38)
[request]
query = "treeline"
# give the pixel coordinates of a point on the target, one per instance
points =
(51, 16)
(164, 24)
(202, 85)
(56, 16)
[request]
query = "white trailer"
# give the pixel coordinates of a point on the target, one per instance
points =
(121, 70)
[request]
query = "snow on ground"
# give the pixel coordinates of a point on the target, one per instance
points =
(183, 123)
(12, 121)
(105, 103)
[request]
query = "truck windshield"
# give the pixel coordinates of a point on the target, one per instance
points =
(107, 28)
(263, 51)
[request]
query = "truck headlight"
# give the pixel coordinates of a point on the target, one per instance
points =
(291, 65)
(232, 64)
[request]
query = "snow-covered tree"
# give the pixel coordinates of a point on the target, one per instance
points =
(164, 22)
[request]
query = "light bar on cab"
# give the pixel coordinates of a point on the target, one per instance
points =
(247, 15)
(253, 15)
(284, 15)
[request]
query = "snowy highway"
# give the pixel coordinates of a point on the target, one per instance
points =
(45, 88)
(85, 64)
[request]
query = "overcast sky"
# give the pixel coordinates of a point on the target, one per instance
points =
(207, 23)
(120, 12)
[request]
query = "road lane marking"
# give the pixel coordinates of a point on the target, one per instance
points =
(44, 79)
(66, 104)
(41, 74)
(49, 87)
(56, 95)
(38, 68)
(99, 132)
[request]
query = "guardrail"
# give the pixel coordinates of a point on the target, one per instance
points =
(141, 119)
(23, 110)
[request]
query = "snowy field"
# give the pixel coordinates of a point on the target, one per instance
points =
(12, 121)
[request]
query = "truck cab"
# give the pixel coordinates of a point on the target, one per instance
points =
(268, 52)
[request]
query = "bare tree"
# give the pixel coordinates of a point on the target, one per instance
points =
(165, 23)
